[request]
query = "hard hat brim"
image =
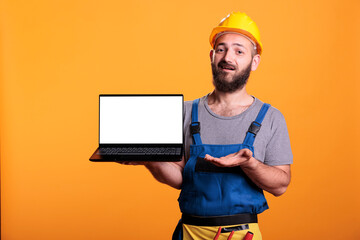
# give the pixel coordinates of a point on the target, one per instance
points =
(218, 30)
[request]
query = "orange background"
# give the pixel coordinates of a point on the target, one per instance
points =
(57, 56)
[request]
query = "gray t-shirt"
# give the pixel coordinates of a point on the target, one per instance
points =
(271, 145)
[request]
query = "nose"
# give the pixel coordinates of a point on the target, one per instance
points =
(229, 56)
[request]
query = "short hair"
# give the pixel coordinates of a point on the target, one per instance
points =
(254, 51)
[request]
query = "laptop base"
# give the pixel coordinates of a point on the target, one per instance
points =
(135, 157)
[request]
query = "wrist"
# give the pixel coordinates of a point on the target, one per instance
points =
(251, 164)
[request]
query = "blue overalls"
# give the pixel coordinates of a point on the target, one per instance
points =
(208, 190)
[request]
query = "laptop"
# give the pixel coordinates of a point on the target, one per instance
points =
(140, 128)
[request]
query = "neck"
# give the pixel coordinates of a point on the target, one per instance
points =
(237, 98)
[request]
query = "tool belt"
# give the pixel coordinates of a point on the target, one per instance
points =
(219, 220)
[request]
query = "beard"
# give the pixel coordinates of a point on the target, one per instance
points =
(237, 82)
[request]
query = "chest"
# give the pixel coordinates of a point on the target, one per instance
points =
(227, 111)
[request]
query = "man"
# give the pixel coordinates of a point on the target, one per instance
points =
(239, 145)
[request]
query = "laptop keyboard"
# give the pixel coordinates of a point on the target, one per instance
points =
(139, 151)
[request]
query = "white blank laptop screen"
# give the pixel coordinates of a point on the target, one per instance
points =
(141, 119)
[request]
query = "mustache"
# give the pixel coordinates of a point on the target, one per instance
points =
(223, 64)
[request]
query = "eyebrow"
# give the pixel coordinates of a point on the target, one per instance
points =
(236, 44)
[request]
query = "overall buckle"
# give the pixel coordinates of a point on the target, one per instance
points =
(254, 127)
(194, 128)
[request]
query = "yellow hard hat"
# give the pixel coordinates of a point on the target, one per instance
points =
(240, 23)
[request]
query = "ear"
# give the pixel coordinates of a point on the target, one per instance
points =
(212, 55)
(255, 62)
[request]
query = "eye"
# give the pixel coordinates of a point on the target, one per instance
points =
(239, 52)
(219, 50)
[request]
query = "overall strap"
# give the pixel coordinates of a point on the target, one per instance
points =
(195, 124)
(256, 125)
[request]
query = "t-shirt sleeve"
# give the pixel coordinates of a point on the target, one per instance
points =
(278, 150)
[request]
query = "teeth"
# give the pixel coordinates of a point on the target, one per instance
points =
(229, 68)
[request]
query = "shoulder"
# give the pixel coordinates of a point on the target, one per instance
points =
(188, 104)
(274, 139)
(273, 115)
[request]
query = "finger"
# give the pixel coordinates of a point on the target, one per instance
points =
(208, 157)
(249, 152)
(245, 153)
(211, 159)
(137, 163)
(130, 163)
(216, 161)
(121, 162)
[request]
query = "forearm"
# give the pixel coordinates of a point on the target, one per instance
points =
(273, 179)
(167, 172)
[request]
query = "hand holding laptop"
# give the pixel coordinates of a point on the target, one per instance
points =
(134, 163)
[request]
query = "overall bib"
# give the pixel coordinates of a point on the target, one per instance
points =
(218, 196)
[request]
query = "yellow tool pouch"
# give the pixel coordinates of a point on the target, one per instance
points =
(191, 232)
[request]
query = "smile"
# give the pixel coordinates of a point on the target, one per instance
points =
(227, 67)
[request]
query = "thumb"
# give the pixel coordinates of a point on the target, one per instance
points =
(246, 152)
